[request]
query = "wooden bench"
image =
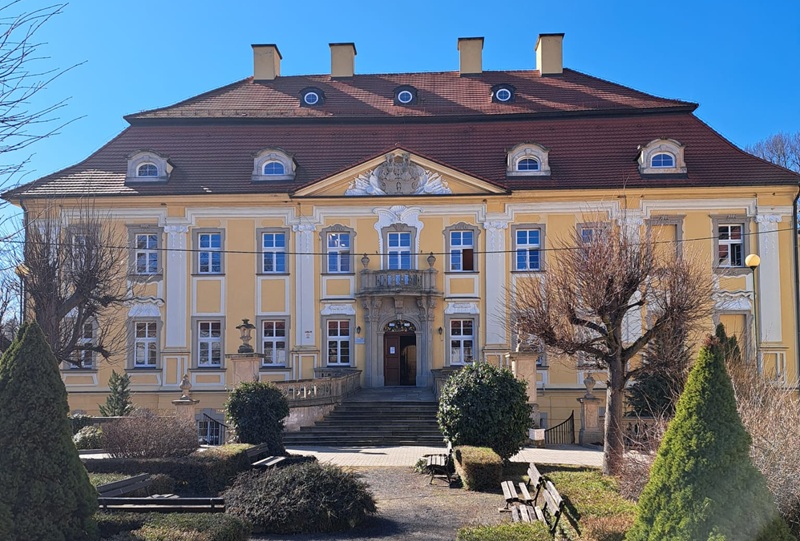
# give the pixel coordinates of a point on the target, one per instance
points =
(269, 462)
(257, 451)
(440, 464)
(527, 509)
(170, 504)
(125, 486)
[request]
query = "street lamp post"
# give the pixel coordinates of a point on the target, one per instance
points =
(753, 261)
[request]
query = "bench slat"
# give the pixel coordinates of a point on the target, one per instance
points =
(526, 513)
(526, 496)
(268, 462)
(515, 516)
(124, 483)
(539, 514)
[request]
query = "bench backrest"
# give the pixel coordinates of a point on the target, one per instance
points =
(553, 500)
(124, 485)
(536, 480)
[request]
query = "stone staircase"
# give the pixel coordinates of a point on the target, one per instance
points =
(370, 420)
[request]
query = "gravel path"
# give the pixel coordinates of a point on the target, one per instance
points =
(409, 508)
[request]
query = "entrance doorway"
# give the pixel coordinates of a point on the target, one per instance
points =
(399, 354)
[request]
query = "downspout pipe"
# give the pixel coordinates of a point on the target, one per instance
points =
(23, 301)
(795, 232)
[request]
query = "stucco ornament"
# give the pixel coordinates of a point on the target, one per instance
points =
(398, 175)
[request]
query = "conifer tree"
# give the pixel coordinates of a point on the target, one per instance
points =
(702, 485)
(45, 487)
(118, 401)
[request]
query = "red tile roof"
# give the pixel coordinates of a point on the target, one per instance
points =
(591, 127)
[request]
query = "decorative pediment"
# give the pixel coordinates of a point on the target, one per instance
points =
(399, 173)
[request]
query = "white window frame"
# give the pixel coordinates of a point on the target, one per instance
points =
(143, 158)
(270, 345)
(662, 146)
(336, 343)
(653, 160)
(210, 341)
(87, 357)
(273, 155)
(150, 253)
(459, 356)
(730, 243)
(528, 247)
(271, 253)
(528, 151)
(399, 251)
(211, 251)
(148, 342)
(456, 257)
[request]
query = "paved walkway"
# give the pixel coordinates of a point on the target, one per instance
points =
(408, 456)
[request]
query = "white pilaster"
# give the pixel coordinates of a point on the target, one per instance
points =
(305, 285)
(176, 284)
(496, 278)
(769, 278)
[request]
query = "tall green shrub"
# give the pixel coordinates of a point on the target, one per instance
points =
(257, 411)
(43, 484)
(118, 401)
(702, 485)
(485, 406)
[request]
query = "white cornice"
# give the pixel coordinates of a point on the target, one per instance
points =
(749, 204)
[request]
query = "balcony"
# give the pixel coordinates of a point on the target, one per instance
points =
(398, 282)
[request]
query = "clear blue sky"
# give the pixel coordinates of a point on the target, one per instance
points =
(739, 60)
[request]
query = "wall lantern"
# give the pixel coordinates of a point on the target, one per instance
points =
(246, 334)
(441, 331)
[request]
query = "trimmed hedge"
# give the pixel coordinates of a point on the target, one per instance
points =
(172, 527)
(535, 531)
(303, 498)
(485, 406)
(204, 473)
(257, 411)
(480, 468)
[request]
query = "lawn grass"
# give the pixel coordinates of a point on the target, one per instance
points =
(98, 479)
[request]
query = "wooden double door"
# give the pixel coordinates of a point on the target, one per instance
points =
(400, 358)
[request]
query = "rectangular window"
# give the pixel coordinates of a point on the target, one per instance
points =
(527, 249)
(399, 250)
(339, 253)
(209, 344)
(85, 339)
(146, 253)
(273, 343)
(338, 340)
(210, 253)
(145, 344)
(462, 341)
(730, 245)
(273, 252)
(462, 251)
(588, 234)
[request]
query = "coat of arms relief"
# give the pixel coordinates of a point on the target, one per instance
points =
(398, 175)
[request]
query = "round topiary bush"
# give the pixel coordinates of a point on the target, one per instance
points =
(257, 411)
(300, 499)
(485, 406)
(89, 437)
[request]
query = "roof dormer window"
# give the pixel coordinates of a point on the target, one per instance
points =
(502, 93)
(662, 160)
(405, 95)
(311, 97)
(273, 164)
(147, 166)
(528, 159)
(662, 156)
(147, 170)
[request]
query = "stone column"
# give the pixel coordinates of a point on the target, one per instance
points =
(185, 405)
(591, 430)
(523, 366)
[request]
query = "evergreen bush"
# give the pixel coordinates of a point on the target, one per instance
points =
(479, 468)
(43, 484)
(257, 411)
(89, 437)
(702, 484)
(485, 406)
(303, 498)
(118, 401)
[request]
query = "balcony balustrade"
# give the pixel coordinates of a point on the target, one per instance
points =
(398, 281)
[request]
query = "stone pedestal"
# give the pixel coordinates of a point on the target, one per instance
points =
(185, 405)
(523, 366)
(591, 431)
(245, 367)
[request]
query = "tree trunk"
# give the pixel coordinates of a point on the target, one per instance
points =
(614, 443)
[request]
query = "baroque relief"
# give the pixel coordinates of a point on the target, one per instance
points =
(398, 175)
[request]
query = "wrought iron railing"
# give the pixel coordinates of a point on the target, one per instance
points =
(210, 431)
(562, 433)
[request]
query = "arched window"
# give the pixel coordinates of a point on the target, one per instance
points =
(147, 170)
(663, 160)
(274, 168)
(528, 164)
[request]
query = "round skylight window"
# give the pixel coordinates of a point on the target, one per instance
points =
(311, 98)
(405, 96)
(503, 94)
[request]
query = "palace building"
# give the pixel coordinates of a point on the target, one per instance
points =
(379, 222)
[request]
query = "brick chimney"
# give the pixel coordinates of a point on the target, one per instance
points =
(470, 55)
(343, 59)
(266, 62)
(549, 59)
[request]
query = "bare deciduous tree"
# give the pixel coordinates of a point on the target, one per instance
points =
(74, 273)
(782, 149)
(579, 307)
